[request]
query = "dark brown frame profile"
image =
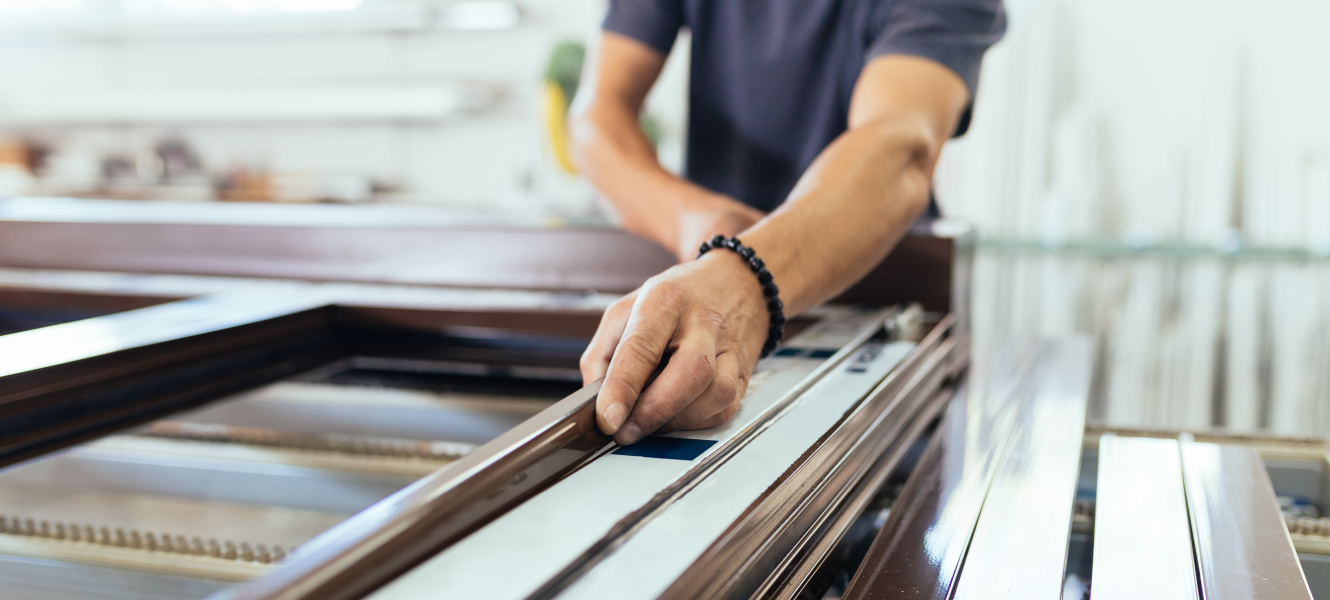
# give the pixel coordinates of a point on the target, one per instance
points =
(138, 366)
(162, 359)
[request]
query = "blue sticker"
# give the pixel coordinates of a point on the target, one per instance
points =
(659, 446)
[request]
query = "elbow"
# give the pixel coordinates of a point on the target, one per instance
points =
(923, 150)
(914, 147)
(916, 190)
(921, 146)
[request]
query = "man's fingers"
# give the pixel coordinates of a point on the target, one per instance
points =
(646, 335)
(690, 372)
(724, 393)
(596, 358)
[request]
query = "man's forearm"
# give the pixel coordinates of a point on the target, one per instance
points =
(613, 152)
(848, 210)
(651, 202)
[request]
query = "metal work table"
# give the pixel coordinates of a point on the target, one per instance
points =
(244, 405)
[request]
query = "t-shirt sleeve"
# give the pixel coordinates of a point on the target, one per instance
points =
(955, 33)
(655, 23)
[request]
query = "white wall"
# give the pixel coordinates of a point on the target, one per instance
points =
(1158, 150)
(1156, 119)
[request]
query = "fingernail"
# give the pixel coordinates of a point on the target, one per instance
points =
(629, 434)
(614, 415)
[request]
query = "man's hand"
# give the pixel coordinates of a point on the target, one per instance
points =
(701, 219)
(709, 316)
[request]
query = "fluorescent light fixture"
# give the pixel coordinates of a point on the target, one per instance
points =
(480, 16)
(315, 5)
(241, 7)
(33, 6)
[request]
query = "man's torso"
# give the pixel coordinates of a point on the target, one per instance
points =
(770, 88)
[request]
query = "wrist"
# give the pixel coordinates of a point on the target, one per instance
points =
(769, 298)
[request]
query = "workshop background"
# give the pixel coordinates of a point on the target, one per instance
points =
(1154, 172)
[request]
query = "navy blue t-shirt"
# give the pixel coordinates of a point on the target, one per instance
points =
(772, 79)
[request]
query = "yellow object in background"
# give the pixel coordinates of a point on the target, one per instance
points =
(556, 125)
(563, 75)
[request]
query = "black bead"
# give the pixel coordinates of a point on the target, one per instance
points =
(763, 278)
(770, 290)
(746, 252)
(717, 240)
(757, 264)
(775, 305)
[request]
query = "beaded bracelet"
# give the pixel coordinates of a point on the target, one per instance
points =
(775, 307)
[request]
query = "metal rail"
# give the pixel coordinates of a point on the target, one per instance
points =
(1019, 550)
(791, 581)
(1140, 490)
(758, 547)
(940, 507)
(1243, 551)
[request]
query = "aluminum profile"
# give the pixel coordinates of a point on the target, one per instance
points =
(1243, 550)
(1140, 490)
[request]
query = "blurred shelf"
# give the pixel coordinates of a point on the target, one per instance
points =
(255, 214)
(402, 17)
(411, 103)
(77, 210)
(1109, 248)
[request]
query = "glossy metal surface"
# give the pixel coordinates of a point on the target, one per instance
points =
(756, 551)
(860, 330)
(1243, 550)
(919, 551)
(363, 244)
(1019, 549)
(1142, 541)
(790, 582)
(62, 344)
(383, 244)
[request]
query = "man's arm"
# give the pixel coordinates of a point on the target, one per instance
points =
(613, 152)
(844, 215)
